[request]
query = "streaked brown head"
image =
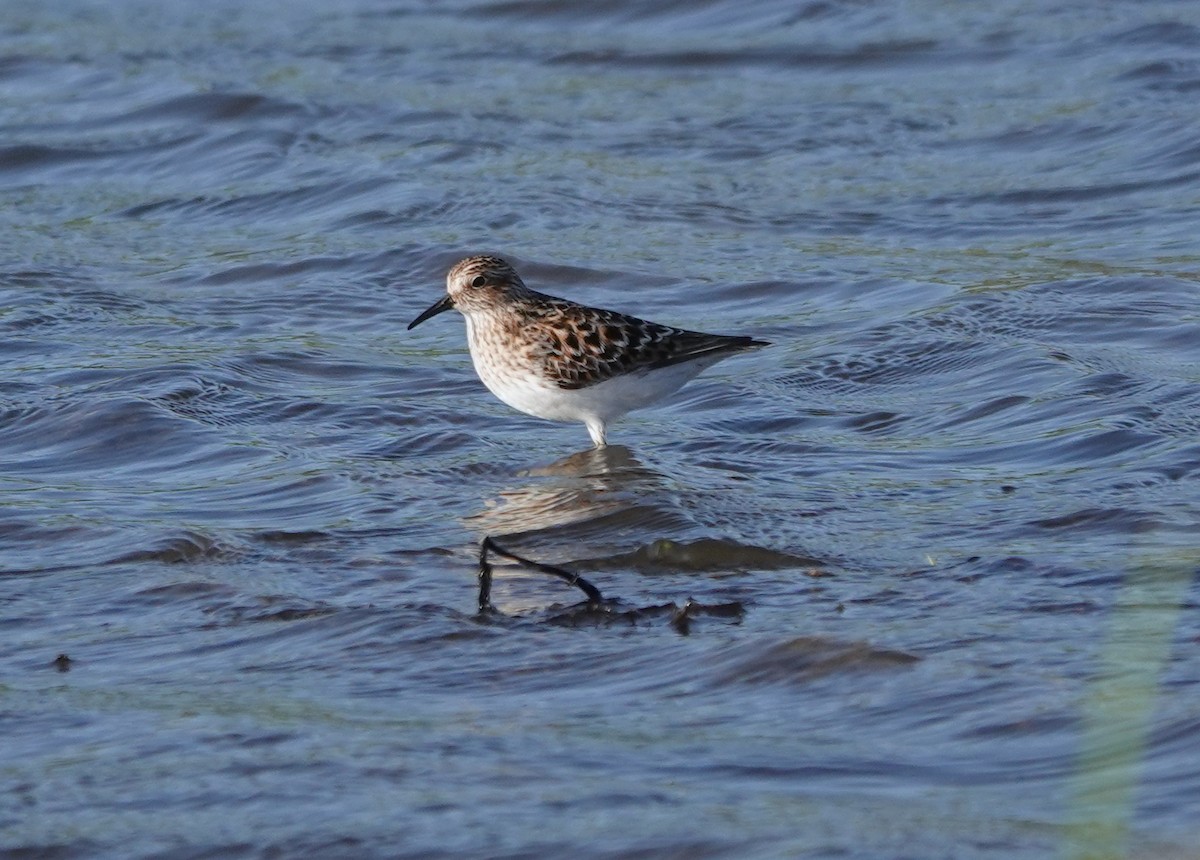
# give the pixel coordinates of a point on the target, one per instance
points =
(476, 284)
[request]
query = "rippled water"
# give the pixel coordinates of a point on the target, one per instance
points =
(957, 501)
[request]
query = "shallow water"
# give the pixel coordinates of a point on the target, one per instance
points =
(957, 500)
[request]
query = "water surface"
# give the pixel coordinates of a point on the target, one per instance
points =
(956, 501)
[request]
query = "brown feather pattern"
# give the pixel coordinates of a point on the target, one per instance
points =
(575, 346)
(571, 346)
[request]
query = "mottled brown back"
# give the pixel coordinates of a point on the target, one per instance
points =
(578, 346)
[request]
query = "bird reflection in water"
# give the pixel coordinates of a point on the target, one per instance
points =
(599, 495)
(605, 490)
(580, 488)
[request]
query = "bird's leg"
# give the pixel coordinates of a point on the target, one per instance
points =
(596, 430)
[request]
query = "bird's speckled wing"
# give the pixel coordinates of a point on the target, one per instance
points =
(578, 346)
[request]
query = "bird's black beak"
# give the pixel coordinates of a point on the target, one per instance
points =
(442, 305)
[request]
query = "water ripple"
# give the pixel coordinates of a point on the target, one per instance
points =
(241, 506)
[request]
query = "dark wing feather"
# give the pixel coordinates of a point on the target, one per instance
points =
(583, 346)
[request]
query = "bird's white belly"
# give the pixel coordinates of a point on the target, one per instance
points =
(605, 401)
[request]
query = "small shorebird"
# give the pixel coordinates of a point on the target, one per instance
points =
(565, 361)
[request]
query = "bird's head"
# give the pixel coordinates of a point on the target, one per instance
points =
(476, 284)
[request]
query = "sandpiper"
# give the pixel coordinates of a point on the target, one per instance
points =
(564, 361)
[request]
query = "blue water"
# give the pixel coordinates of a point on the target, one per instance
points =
(957, 501)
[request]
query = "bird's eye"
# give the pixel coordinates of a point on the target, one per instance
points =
(478, 281)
